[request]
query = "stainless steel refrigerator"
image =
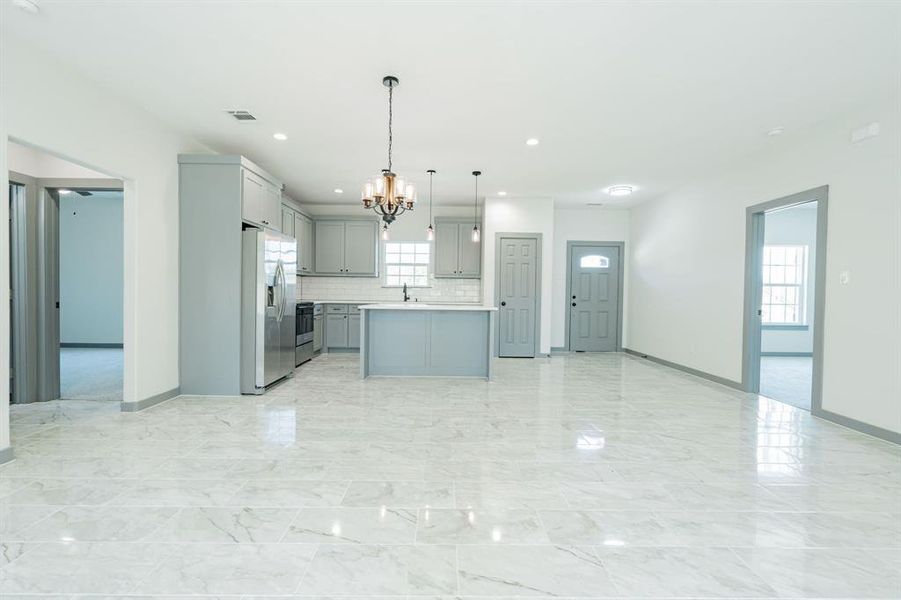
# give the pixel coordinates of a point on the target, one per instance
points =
(268, 280)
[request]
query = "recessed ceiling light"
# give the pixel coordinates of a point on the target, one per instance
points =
(502, 193)
(28, 6)
(776, 131)
(620, 190)
(280, 136)
(63, 192)
(339, 191)
(532, 142)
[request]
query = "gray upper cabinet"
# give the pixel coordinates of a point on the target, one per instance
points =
(303, 231)
(251, 197)
(261, 200)
(456, 255)
(271, 212)
(346, 247)
(360, 248)
(330, 247)
(288, 217)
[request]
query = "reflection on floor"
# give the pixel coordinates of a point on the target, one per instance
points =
(573, 476)
(91, 373)
(787, 379)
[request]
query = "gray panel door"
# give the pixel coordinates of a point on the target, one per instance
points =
(518, 296)
(330, 247)
(470, 260)
(446, 248)
(594, 298)
(336, 331)
(360, 248)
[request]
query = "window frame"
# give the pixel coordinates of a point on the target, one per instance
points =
(416, 252)
(801, 291)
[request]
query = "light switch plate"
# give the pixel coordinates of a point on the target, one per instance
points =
(844, 277)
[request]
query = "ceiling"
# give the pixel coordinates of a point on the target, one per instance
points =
(649, 94)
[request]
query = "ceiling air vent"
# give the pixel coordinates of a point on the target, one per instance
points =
(241, 115)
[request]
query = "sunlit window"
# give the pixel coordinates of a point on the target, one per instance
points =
(784, 285)
(594, 261)
(407, 262)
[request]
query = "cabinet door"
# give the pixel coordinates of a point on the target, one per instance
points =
(272, 206)
(317, 333)
(336, 331)
(251, 198)
(306, 244)
(329, 258)
(469, 263)
(447, 237)
(288, 219)
(360, 249)
(353, 331)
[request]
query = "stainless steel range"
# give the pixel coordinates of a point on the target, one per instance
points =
(304, 333)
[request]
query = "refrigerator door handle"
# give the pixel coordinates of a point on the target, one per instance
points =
(280, 286)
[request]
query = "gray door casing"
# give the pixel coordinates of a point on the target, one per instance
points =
(594, 298)
(518, 294)
(754, 241)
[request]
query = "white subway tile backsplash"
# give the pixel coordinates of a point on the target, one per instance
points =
(364, 289)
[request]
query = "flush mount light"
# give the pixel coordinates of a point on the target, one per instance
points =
(776, 131)
(339, 191)
(502, 193)
(532, 142)
(620, 190)
(280, 136)
(28, 6)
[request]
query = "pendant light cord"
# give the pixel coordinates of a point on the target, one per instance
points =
(431, 174)
(390, 123)
(476, 204)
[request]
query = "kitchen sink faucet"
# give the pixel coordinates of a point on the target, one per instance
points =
(406, 295)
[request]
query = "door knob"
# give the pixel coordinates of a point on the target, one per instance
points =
(503, 304)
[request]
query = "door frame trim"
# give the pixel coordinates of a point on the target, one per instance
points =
(498, 236)
(24, 346)
(751, 331)
(621, 246)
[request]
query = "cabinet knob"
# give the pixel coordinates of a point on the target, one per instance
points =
(574, 303)
(503, 304)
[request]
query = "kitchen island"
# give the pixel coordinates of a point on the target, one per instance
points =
(426, 340)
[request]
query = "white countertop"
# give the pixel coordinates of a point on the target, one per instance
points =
(426, 306)
(382, 302)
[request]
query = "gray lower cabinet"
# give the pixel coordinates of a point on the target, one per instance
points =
(336, 331)
(346, 247)
(342, 326)
(456, 255)
(353, 331)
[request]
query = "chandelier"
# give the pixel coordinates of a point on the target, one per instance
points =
(388, 194)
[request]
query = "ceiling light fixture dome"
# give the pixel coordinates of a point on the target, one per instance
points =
(388, 194)
(280, 136)
(532, 142)
(620, 190)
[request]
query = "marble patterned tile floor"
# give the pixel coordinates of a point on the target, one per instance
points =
(584, 476)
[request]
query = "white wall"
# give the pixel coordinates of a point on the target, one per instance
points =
(92, 126)
(90, 273)
(521, 215)
(793, 226)
(687, 261)
(31, 161)
(583, 224)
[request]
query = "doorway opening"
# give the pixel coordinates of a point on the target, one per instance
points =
(67, 254)
(518, 294)
(594, 296)
(785, 277)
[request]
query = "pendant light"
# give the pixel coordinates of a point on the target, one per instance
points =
(476, 236)
(385, 232)
(430, 232)
(388, 194)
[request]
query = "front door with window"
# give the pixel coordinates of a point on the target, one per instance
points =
(593, 300)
